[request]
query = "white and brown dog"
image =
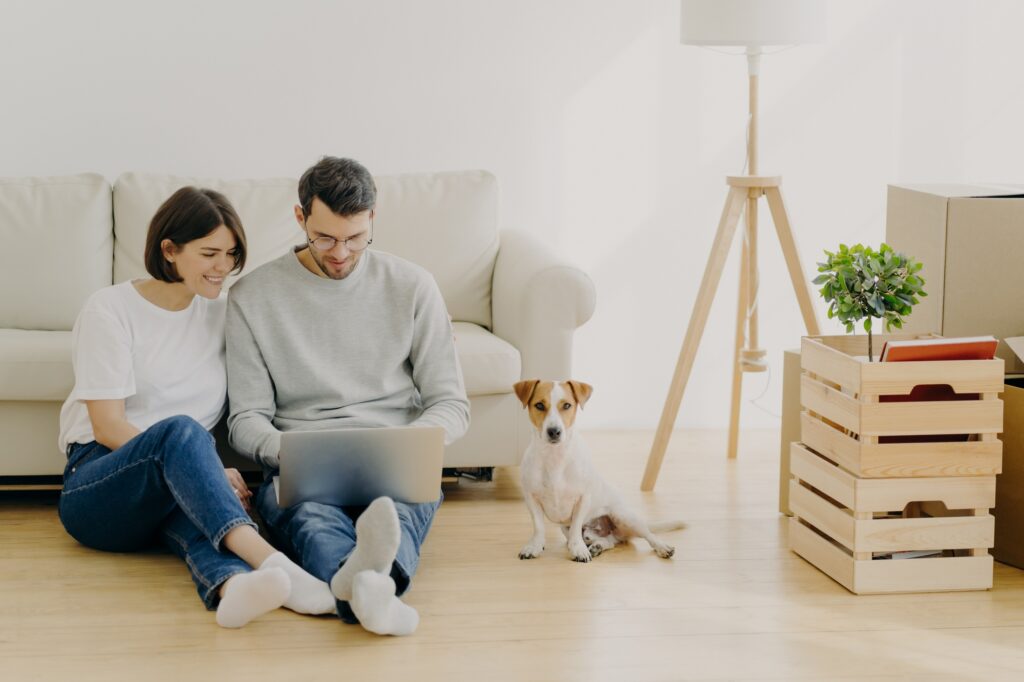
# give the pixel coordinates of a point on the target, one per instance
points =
(560, 482)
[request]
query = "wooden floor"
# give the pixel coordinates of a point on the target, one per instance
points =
(733, 604)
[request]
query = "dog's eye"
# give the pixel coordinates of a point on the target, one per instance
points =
(539, 406)
(566, 406)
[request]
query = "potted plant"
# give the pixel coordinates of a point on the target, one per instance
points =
(861, 283)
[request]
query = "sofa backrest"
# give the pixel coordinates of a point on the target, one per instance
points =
(445, 222)
(56, 245)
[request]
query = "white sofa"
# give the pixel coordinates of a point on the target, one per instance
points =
(515, 304)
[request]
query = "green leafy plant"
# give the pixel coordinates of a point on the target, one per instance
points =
(860, 283)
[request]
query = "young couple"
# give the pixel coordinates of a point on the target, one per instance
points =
(330, 335)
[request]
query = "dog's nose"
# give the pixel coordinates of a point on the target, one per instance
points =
(554, 433)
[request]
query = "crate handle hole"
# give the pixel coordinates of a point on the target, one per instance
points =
(926, 509)
(928, 393)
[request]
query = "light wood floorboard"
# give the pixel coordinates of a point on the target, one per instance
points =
(733, 604)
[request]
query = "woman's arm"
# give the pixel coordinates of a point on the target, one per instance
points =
(109, 425)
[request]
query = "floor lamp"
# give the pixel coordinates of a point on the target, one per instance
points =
(752, 24)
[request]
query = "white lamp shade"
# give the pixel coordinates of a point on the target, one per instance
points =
(752, 22)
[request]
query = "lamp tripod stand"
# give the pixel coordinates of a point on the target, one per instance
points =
(744, 191)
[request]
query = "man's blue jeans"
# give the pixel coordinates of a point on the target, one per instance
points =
(165, 483)
(320, 537)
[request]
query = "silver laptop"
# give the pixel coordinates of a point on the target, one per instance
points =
(353, 467)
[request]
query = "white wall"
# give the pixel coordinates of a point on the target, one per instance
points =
(610, 139)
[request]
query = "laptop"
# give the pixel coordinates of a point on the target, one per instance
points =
(353, 467)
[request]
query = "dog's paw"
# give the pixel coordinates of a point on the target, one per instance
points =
(596, 549)
(580, 553)
(530, 552)
(664, 551)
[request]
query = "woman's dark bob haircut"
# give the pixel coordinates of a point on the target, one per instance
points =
(190, 213)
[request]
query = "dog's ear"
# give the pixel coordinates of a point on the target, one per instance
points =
(581, 391)
(524, 390)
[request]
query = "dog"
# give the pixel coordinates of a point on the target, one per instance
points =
(559, 481)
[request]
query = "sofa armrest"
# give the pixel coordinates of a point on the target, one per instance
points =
(537, 302)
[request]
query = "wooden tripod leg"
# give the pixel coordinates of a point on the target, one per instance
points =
(742, 315)
(698, 318)
(800, 284)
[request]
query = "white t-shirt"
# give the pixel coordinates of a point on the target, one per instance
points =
(161, 362)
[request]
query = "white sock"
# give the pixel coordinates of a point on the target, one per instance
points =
(378, 609)
(378, 534)
(308, 595)
(249, 595)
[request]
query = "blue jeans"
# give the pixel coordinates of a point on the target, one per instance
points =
(320, 537)
(165, 483)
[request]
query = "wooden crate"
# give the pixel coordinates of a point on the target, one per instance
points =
(846, 418)
(848, 526)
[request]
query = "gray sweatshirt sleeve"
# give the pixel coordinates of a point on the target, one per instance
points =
(435, 366)
(250, 393)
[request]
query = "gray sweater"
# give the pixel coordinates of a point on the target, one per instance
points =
(306, 352)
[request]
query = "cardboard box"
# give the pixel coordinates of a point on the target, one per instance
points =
(790, 427)
(1009, 510)
(969, 239)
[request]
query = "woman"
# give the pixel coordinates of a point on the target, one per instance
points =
(150, 382)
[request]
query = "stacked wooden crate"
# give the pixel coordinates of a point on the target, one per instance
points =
(893, 494)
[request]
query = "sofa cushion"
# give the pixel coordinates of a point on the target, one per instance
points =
(57, 242)
(489, 364)
(445, 222)
(35, 365)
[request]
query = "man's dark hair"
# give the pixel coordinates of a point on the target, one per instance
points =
(344, 185)
(190, 213)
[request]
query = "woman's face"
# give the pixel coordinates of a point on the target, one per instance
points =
(203, 263)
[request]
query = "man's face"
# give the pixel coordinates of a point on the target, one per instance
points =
(338, 261)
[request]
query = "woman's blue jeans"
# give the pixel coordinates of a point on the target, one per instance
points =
(320, 537)
(166, 483)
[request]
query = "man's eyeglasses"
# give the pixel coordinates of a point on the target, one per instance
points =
(354, 244)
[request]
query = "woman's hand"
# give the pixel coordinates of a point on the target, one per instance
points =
(240, 488)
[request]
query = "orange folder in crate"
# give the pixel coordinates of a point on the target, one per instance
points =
(918, 350)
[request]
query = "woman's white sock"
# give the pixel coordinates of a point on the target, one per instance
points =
(378, 609)
(309, 594)
(249, 595)
(378, 534)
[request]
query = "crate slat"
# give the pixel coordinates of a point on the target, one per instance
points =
(940, 417)
(963, 376)
(948, 532)
(886, 460)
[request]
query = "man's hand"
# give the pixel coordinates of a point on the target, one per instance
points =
(240, 488)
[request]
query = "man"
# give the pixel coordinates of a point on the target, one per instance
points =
(334, 335)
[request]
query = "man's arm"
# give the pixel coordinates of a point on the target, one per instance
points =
(250, 393)
(435, 366)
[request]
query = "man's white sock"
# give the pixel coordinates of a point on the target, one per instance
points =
(378, 609)
(309, 594)
(249, 595)
(378, 534)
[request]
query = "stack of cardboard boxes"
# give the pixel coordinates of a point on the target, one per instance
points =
(969, 239)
